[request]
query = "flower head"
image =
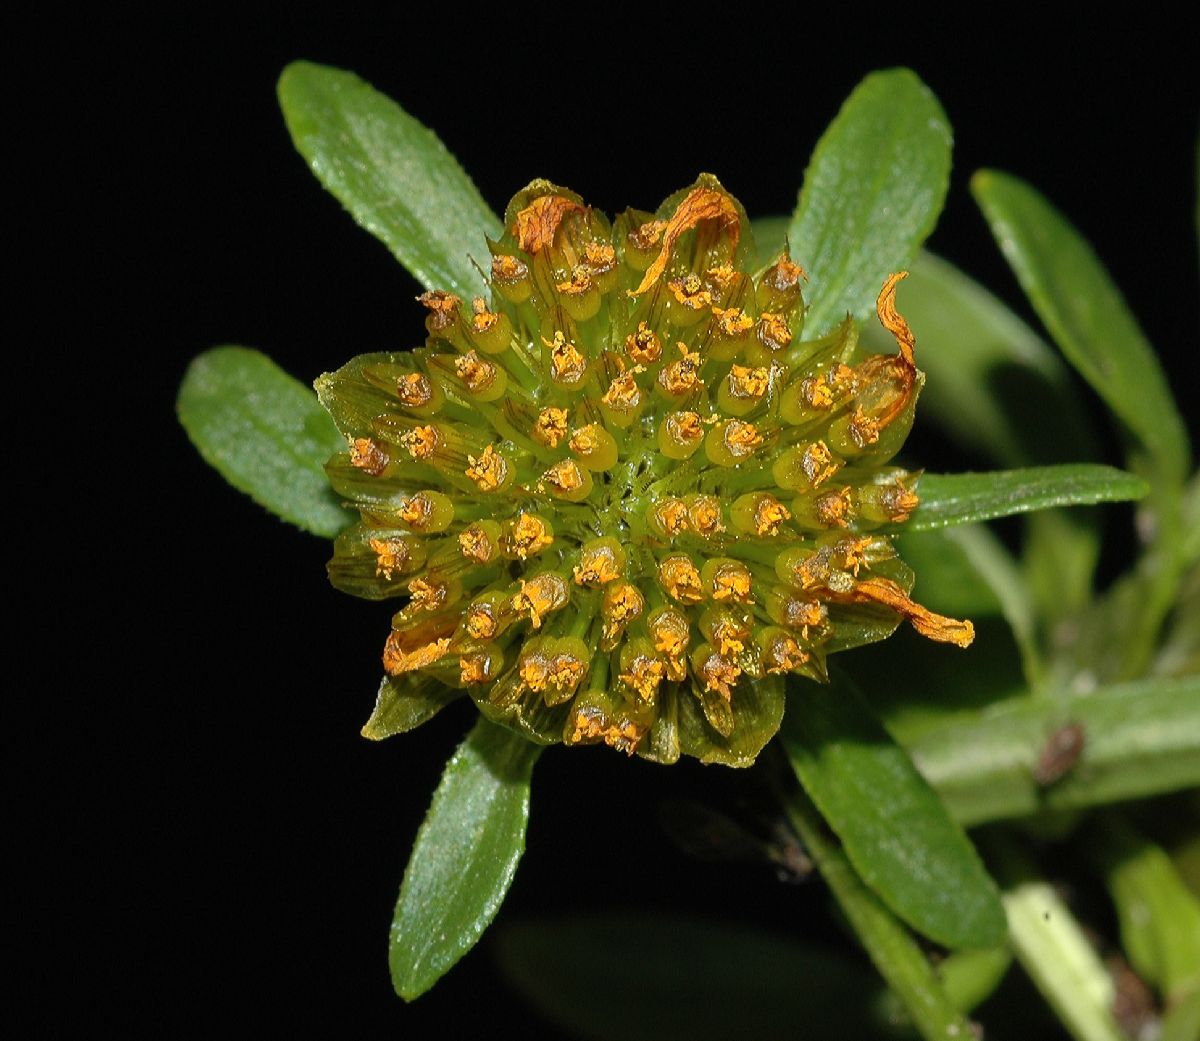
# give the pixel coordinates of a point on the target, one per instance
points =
(622, 496)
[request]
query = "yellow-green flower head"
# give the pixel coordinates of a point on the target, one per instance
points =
(623, 497)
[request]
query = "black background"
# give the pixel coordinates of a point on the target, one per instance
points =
(230, 848)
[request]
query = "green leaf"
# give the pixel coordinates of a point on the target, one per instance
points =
(995, 565)
(654, 976)
(872, 192)
(947, 581)
(464, 858)
(1054, 950)
(1139, 739)
(393, 175)
(1084, 312)
(992, 381)
(407, 701)
(896, 832)
(1158, 916)
(265, 433)
(948, 499)
(1182, 1023)
(890, 946)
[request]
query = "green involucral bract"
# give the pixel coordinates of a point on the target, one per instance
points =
(622, 496)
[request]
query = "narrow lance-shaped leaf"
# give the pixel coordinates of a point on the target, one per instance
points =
(265, 433)
(1159, 917)
(892, 948)
(872, 192)
(464, 858)
(895, 830)
(392, 173)
(1086, 315)
(1054, 950)
(948, 499)
(995, 565)
(1137, 739)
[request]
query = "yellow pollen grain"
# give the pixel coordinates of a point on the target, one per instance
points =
(864, 429)
(785, 655)
(681, 376)
(720, 675)
(529, 535)
(600, 256)
(414, 390)
(685, 427)
(745, 382)
(482, 319)
(622, 393)
(732, 321)
(681, 580)
(852, 553)
(579, 282)
(584, 441)
(648, 235)
(550, 427)
(730, 637)
(368, 456)
(670, 636)
(773, 331)
(488, 471)
(539, 596)
(534, 672)
(397, 661)
(643, 346)
(416, 511)
(814, 570)
(720, 276)
(564, 475)
(425, 595)
(443, 307)
(690, 292)
(785, 274)
(899, 502)
(705, 516)
(741, 438)
(672, 514)
(805, 614)
(507, 268)
(421, 442)
(474, 371)
(390, 556)
(480, 622)
(622, 603)
(644, 676)
(565, 672)
(769, 514)
(732, 583)
(816, 392)
(596, 567)
(475, 544)
(818, 464)
(472, 668)
(834, 508)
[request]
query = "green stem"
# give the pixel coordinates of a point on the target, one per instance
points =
(1053, 950)
(1139, 739)
(890, 946)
